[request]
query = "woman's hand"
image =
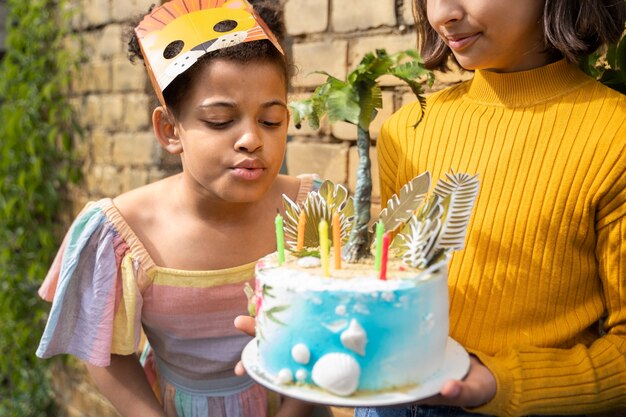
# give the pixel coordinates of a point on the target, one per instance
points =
(476, 389)
(247, 325)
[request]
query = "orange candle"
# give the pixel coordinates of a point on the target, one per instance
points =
(337, 240)
(301, 226)
(384, 257)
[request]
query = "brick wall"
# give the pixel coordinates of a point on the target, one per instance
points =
(113, 100)
(114, 104)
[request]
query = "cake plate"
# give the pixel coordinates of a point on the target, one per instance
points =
(455, 366)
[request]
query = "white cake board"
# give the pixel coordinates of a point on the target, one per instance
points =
(455, 366)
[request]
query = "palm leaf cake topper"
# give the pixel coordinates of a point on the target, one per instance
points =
(330, 198)
(431, 226)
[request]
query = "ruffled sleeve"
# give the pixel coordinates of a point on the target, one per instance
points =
(96, 302)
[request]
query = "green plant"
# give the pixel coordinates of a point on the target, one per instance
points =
(36, 128)
(355, 101)
(609, 66)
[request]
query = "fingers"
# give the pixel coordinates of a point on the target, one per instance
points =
(246, 324)
(239, 369)
(452, 391)
(478, 387)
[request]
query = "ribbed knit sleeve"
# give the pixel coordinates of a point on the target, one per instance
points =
(539, 292)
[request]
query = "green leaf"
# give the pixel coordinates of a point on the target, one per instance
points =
(342, 105)
(369, 100)
(620, 56)
(271, 313)
(302, 110)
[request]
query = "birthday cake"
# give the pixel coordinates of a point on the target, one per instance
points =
(376, 325)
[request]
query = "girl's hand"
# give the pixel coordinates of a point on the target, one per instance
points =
(477, 388)
(247, 325)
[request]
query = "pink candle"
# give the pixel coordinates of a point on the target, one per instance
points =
(337, 240)
(384, 256)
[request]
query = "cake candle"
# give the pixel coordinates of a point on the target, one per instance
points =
(337, 240)
(384, 256)
(323, 231)
(280, 238)
(380, 230)
(301, 227)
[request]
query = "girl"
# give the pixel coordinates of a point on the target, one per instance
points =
(174, 256)
(538, 296)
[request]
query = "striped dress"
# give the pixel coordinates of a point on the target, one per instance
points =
(105, 288)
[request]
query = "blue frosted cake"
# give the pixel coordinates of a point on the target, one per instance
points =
(362, 327)
(350, 332)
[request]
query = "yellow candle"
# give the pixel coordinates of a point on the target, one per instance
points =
(301, 226)
(337, 240)
(323, 230)
(280, 238)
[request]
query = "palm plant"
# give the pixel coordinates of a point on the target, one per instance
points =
(356, 101)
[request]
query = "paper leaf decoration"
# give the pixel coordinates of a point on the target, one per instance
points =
(400, 208)
(462, 190)
(419, 241)
(330, 198)
(439, 225)
(411, 243)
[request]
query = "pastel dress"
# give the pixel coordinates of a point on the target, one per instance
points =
(105, 288)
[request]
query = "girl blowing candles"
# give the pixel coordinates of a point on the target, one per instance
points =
(173, 256)
(538, 295)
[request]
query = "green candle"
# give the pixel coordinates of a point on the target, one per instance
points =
(380, 231)
(280, 239)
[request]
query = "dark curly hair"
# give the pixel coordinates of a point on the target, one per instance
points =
(572, 29)
(254, 51)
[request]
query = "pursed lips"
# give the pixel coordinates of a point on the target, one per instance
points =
(250, 164)
(249, 169)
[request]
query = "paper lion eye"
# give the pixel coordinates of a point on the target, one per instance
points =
(173, 49)
(225, 26)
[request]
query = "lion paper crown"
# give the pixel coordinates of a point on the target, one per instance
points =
(175, 35)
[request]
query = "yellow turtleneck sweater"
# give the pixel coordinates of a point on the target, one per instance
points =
(545, 255)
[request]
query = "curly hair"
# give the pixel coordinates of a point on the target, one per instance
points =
(255, 51)
(573, 29)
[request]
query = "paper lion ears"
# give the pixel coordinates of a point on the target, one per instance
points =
(175, 35)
